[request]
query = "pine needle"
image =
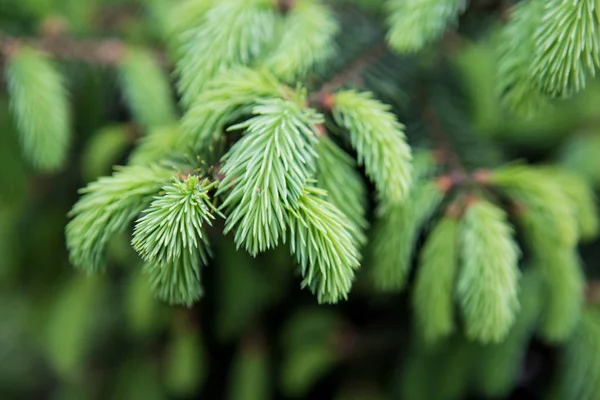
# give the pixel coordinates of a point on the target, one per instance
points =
(488, 280)
(320, 239)
(39, 104)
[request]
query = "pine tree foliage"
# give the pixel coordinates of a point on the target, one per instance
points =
(550, 231)
(568, 46)
(232, 33)
(433, 295)
(379, 141)
(500, 367)
(39, 104)
(321, 239)
(487, 284)
(173, 223)
(158, 144)
(395, 234)
(582, 197)
(307, 41)
(515, 46)
(580, 363)
(147, 89)
(416, 23)
(335, 166)
(177, 281)
(227, 97)
(106, 208)
(265, 172)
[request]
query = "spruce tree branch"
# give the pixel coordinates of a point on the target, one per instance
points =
(347, 74)
(104, 52)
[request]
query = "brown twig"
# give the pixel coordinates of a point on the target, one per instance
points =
(104, 52)
(348, 74)
(446, 153)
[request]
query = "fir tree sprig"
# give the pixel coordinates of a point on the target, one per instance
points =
(433, 295)
(227, 97)
(265, 172)
(106, 207)
(321, 240)
(395, 233)
(498, 372)
(333, 167)
(40, 106)
(550, 231)
(307, 40)
(416, 23)
(231, 33)
(515, 48)
(174, 221)
(170, 238)
(177, 282)
(379, 141)
(568, 46)
(580, 361)
(146, 89)
(487, 284)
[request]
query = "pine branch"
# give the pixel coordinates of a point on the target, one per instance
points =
(433, 295)
(488, 280)
(39, 104)
(266, 171)
(104, 52)
(415, 23)
(379, 141)
(320, 239)
(106, 208)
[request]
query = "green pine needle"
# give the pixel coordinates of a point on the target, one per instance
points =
(433, 296)
(226, 98)
(177, 282)
(564, 289)
(416, 23)
(582, 198)
(515, 49)
(106, 208)
(379, 141)
(568, 46)
(265, 172)
(232, 33)
(337, 175)
(173, 224)
(539, 193)
(395, 234)
(307, 40)
(502, 362)
(488, 280)
(158, 144)
(147, 89)
(580, 363)
(320, 238)
(39, 104)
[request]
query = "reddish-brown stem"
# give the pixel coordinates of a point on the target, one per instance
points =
(348, 74)
(105, 52)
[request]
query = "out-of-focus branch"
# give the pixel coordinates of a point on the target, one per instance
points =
(104, 52)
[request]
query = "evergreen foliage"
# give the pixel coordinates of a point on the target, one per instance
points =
(147, 89)
(266, 170)
(416, 23)
(363, 151)
(488, 280)
(379, 141)
(39, 104)
(433, 295)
